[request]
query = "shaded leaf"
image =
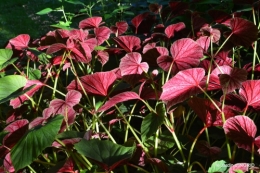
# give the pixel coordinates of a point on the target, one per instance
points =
(136, 21)
(32, 143)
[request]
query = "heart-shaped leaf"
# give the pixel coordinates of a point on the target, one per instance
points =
(90, 23)
(186, 54)
(5, 55)
(171, 29)
(97, 83)
(131, 64)
(120, 28)
(183, 85)
(128, 43)
(136, 21)
(102, 34)
(106, 153)
(32, 143)
(20, 42)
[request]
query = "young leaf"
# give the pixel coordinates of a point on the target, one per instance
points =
(131, 64)
(186, 54)
(97, 83)
(183, 85)
(32, 143)
(108, 154)
(242, 130)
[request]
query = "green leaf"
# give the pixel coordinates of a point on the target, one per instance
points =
(105, 152)
(218, 166)
(8, 62)
(75, 2)
(10, 84)
(34, 74)
(5, 55)
(2, 135)
(100, 48)
(70, 134)
(152, 121)
(44, 11)
(129, 13)
(34, 141)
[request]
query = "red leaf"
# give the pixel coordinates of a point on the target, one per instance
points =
(128, 43)
(244, 32)
(72, 98)
(171, 29)
(250, 91)
(102, 34)
(18, 101)
(223, 59)
(204, 42)
(90, 23)
(97, 83)
(120, 28)
(220, 16)
(131, 64)
(186, 54)
(204, 148)
(20, 42)
(136, 21)
(163, 166)
(102, 57)
(8, 165)
(241, 130)
(68, 167)
(211, 32)
(183, 85)
(55, 48)
(122, 97)
(239, 166)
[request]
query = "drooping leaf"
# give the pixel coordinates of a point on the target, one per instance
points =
(129, 95)
(251, 93)
(18, 101)
(171, 29)
(20, 42)
(10, 84)
(183, 85)
(106, 153)
(5, 55)
(32, 143)
(97, 83)
(102, 34)
(128, 43)
(243, 33)
(242, 130)
(151, 122)
(90, 23)
(131, 64)
(186, 54)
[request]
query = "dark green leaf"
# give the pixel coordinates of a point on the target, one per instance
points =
(32, 143)
(70, 134)
(8, 62)
(44, 11)
(2, 135)
(75, 2)
(105, 152)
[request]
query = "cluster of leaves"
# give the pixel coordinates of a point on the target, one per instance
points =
(97, 99)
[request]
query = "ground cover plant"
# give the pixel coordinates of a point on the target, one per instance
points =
(174, 88)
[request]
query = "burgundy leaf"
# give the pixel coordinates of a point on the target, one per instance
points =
(102, 57)
(131, 64)
(186, 54)
(204, 148)
(178, 7)
(223, 59)
(55, 48)
(120, 28)
(155, 8)
(128, 43)
(20, 42)
(151, 55)
(102, 34)
(97, 83)
(242, 130)
(90, 23)
(235, 101)
(122, 97)
(68, 167)
(8, 163)
(250, 91)
(171, 29)
(154, 161)
(244, 32)
(211, 32)
(183, 85)
(220, 16)
(18, 101)
(239, 166)
(136, 21)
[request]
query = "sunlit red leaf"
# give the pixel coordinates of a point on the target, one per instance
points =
(136, 21)
(211, 32)
(186, 54)
(72, 98)
(125, 96)
(128, 43)
(20, 42)
(102, 34)
(131, 64)
(239, 166)
(90, 23)
(250, 91)
(183, 85)
(242, 130)
(17, 102)
(171, 29)
(243, 33)
(97, 83)
(120, 28)
(223, 59)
